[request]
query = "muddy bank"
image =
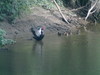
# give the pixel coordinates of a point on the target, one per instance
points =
(51, 19)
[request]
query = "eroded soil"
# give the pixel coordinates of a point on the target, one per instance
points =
(51, 19)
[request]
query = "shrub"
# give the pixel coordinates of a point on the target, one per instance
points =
(4, 41)
(10, 9)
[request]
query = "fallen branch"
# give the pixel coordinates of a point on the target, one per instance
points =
(90, 10)
(61, 12)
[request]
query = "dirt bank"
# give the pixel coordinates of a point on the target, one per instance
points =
(41, 17)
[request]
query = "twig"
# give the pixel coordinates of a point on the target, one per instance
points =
(77, 8)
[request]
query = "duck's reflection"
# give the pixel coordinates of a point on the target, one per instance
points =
(38, 47)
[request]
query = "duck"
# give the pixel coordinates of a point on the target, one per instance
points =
(38, 32)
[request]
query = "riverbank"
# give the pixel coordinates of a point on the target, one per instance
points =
(51, 19)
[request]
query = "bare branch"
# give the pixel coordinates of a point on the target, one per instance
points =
(61, 12)
(94, 11)
(77, 8)
(90, 10)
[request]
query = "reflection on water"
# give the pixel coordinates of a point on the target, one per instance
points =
(72, 55)
(38, 47)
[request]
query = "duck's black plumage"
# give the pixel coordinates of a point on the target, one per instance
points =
(38, 33)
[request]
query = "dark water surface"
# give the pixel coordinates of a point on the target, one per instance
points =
(72, 55)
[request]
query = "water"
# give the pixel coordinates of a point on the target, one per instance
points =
(72, 55)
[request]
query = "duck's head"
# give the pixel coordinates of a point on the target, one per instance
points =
(43, 28)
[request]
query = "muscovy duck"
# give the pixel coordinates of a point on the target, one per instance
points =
(38, 33)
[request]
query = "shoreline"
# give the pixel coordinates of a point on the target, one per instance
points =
(52, 20)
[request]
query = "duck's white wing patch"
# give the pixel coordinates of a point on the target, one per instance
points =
(38, 32)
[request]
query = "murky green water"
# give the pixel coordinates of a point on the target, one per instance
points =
(72, 55)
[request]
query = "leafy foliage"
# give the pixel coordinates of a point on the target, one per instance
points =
(4, 41)
(10, 9)
(47, 4)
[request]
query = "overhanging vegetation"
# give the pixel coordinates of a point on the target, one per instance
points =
(10, 9)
